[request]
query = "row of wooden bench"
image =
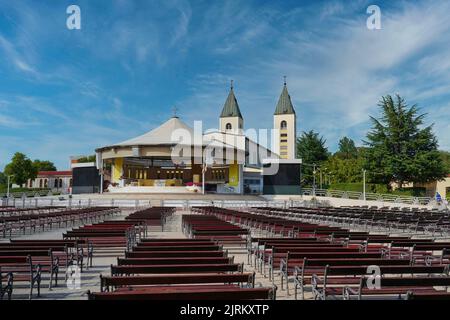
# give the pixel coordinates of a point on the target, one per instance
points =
(307, 258)
(26, 261)
(38, 222)
(179, 269)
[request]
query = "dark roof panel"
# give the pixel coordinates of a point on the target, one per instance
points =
(231, 107)
(284, 105)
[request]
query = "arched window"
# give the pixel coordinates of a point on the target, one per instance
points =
(45, 183)
(228, 126)
(56, 183)
(40, 183)
(60, 183)
(283, 124)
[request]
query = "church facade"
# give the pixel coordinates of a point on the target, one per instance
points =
(159, 162)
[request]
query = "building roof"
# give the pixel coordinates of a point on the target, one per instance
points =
(160, 135)
(284, 105)
(55, 173)
(231, 106)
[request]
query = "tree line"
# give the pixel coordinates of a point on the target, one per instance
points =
(398, 148)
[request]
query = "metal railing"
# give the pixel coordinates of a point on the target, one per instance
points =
(32, 193)
(355, 195)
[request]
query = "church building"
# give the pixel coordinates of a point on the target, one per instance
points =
(221, 161)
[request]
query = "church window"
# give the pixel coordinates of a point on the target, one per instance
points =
(228, 126)
(283, 124)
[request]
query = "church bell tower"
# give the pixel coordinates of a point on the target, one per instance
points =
(284, 121)
(231, 118)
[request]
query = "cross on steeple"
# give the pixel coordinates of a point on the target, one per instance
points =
(232, 84)
(284, 80)
(174, 110)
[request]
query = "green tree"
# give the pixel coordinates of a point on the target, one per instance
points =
(344, 170)
(3, 179)
(21, 168)
(44, 165)
(400, 149)
(90, 158)
(347, 149)
(311, 149)
(445, 156)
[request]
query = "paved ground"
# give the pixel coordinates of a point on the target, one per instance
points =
(90, 279)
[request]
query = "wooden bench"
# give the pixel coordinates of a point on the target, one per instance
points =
(301, 268)
(428, 295)
(20, 269)
(175, 268)
(106, 283)
(195, 292)
(176, 260)
(171, 254)
(396, 286)
(341, 276)
(46, 259)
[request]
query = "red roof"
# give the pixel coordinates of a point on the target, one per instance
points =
(55, 173)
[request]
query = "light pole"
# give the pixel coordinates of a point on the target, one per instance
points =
(203, 177)
(364, 184)
(9, 178)
(314, 179)
(320, 178)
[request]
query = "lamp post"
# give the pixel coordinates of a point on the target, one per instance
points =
(364, 184)
(9, 179)
(203, 177)
(314, 179)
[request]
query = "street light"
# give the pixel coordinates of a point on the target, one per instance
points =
(314, 179)
(9, 178)
(364, 184)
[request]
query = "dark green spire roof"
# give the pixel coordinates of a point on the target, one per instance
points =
(231, 106)
(284, 105)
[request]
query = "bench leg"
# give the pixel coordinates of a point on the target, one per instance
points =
(287, 284)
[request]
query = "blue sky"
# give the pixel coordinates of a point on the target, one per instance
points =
(65, 92)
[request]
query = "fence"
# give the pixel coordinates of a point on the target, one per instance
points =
(25, 202)
(389, 198)
(46, 198)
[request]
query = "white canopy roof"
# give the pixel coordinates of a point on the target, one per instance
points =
(160, 135)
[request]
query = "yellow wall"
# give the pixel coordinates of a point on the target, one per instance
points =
(117, 169)
(233, 175)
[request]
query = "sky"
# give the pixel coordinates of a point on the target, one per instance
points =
(66, 92)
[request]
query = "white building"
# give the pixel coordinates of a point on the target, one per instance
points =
(59, 181)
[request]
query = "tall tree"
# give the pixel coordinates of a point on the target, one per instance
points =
(44, 165)
(347, 149)
(344, 170)
(445, 155)
(3, 179)
(400, 149)
(311, 149)
(21, 168)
